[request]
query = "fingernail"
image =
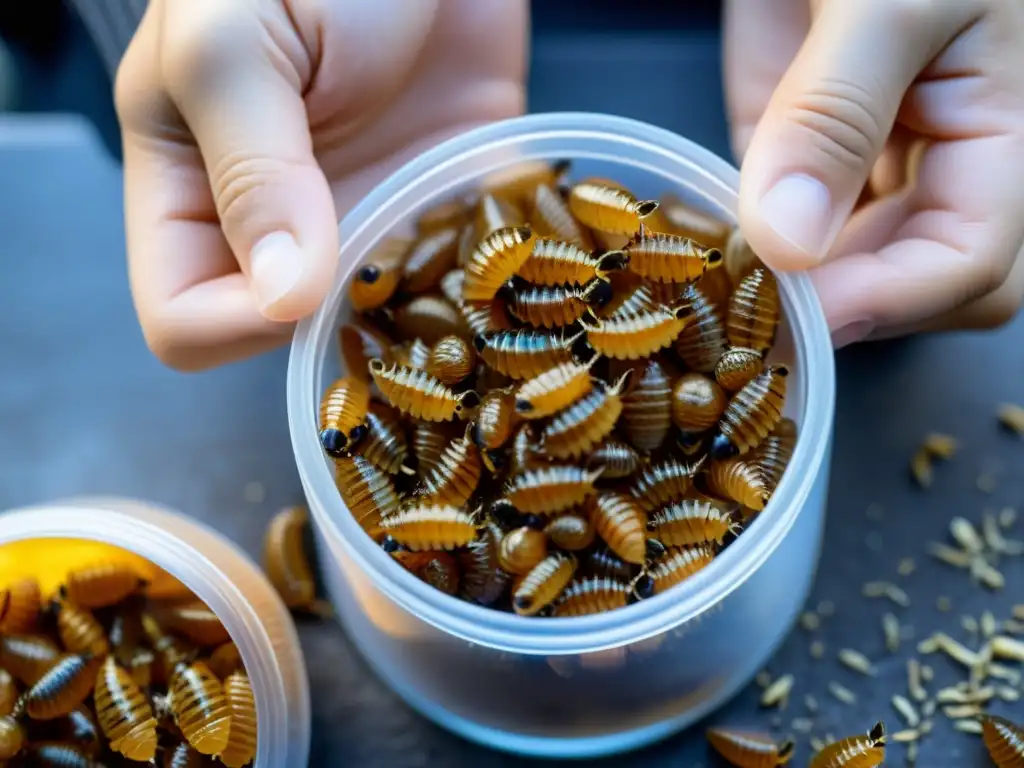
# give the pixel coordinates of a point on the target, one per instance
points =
(276, 266)
(799, 209)
(851, 333)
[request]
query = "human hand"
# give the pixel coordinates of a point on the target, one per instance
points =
(923, 101)
(251, 126)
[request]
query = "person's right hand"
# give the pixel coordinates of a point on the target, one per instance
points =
(250, 126)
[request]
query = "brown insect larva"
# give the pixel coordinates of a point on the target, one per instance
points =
(430, 259)
(486, 316)
(377, 279)
(570, 532)
(753, 315)
(241, 748)
(618, 458)
(342, 414)
(591, 595)
(359, 344)
(752, 413)
(54, 754)
(429, 439)
(367, 491)
(863, 751)
(603, 562)
(428, 317)
(524, 454)
(1004, 741)
(183, 756)
(494, 213)
(542, 585)
(79, 630)
(664, 483)
(775, 451)
(521, 550)
(631, 295)
(195, 621)
(555, 306)
(81, 729)
(517, 182)
(547, 490)
(609, 209)
(285, 560)
(621, 524)
(124, 713)
(385, 444)
(8, 692)
(168, 649)
(577, 428)
(498, 256)
(737, 367)
(456, 475)
(636, 336)
(553, 390)
(442, 573)
(482, 580)
(698, 402)
(20, 604)
(28, 657)
(647, 408)
(450, 213)
(748, 749)
(419, 394)
(101, 585)
(702, 342)
(12, 738)
(690, 522)
(550, 217)
(740, 258)
(431, 527)
(62, 688)
(681, 219)
(555, 263)
(741, 480)
(200, 708)
(670, 258)
(524, 354)
(451, 360)
(678, 565)
(494, 420)
(224, 660)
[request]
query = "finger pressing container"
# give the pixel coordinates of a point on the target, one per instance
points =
(592, 685)
(218, 574)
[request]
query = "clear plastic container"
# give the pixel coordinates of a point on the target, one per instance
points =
(220, 575)
(600, 684)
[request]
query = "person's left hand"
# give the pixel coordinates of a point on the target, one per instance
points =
(883, 147)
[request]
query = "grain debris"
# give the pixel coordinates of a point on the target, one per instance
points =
(940, 641)
(912, 753)
(1011, 416)
(940, 446)
(905, 736)
(856, 661)
(777, 693)
(764, 678)
(891, 631)
(928, 709)
(1013, 626)
(960, 711)
(956, 695)
(1006, 693)
(927, 673)
(1001, 672)
(967, 726)
(914, 686)
(810, 621)
(1004, 647)
(988, 624)
(1018, 612)
(906, 566)
(958, 558)
(802, 724)
(970, 624)
(906, 710)
(986, 482)
(811, 703)
(888, 590)
(842, 693)
(826, 608)
(875, 512)
(987, 574)
(943, 603)
(921, 468)
(817, 649)
(996, 541)
(966, 535)
(817, 744)
(1007, 517)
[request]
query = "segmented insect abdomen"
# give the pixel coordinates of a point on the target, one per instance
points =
(678, 565)
(482, 580)
(62, 688)
(80, 631)
(366, 490)
(548, 306)
(752, 413)
(430, 259)
(702, 342)
(550, 217)
(124, 713)
(553, 390)
(524, 354)
(609, 209)
(200, 708)
(663, 483)
(342, 413)
(241, 747)
(747, 749)
(689, 522)
(456, 475)
(647, 408)
(28, 657)
(431, 527)
(670, 258)
(542, 585)
(497, 258)
(385, 444)
(1004, 741)
(554, 262)
(591, 595)
(285, 560)
(494, 419)
(618, 458)
(737, 368)
(579, 427)
(419, 394)
(20, 604)
(753, 315)
(636, 336)
(621, 524)
(776, 450)
(547, 490)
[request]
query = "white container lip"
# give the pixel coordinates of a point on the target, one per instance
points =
(388, 203)
(148, 530)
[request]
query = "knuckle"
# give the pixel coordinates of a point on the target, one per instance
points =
(839, 117)
(237, 180)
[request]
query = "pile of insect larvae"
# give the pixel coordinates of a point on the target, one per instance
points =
(108, 673)
(554, 400)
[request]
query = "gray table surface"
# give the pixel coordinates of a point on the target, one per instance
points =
(84, 408)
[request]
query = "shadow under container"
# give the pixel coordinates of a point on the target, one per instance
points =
(579, 687)
(220, 575)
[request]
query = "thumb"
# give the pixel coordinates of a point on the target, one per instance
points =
(237, 77)
(828, 122)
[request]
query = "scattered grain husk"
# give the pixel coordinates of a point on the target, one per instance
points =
(1011, 416)
(891, 631)
(777, 693)
(842, 693)
(856, 661)
(906, 710)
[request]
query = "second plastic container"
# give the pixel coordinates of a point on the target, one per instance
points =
(605, 683)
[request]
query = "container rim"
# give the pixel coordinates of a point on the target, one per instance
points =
(145, 529)
(505, 631)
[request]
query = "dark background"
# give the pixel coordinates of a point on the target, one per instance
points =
(85, 409)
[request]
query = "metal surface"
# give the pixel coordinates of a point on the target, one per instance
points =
(85, 409)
